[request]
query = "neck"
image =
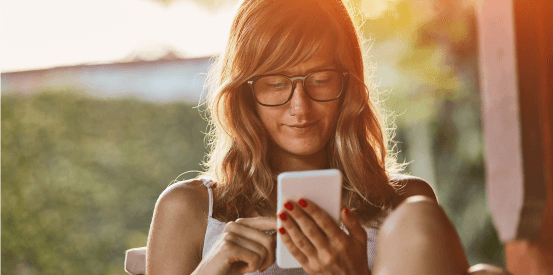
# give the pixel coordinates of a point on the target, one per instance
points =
(286, 162)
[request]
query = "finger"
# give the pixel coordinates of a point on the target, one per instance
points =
(352, 224)
(245, 250)
(328, 227)
(259, 223)
(244, 260)
(298, 235)
(291, 246)
(267, 241)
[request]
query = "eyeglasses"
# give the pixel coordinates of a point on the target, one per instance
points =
(276, 90)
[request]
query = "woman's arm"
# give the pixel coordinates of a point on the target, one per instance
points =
(178, 229)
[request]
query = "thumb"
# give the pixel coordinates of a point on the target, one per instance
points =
(350, 220)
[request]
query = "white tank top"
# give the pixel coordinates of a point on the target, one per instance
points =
(215, 228)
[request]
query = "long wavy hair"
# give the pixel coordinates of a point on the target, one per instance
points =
(270, 36)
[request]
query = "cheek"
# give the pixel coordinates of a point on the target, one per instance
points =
(268, 116)
(330, 112)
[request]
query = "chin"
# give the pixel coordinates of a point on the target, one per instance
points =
(304, 151)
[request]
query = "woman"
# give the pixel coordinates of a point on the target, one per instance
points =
(289, 94)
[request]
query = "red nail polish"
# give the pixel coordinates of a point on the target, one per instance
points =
(282, 231)
(302, 203)
(289, 206)
(347, 211)
(283, 216)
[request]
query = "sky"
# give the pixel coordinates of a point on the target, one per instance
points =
(39, 34)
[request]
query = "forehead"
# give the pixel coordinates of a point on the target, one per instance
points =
(322, 58)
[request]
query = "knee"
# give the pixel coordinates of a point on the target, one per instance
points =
(419, 233)
(419, 220)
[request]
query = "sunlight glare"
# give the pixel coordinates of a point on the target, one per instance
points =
(42, 34)
(374, 8)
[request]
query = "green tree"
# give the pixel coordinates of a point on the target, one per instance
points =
(81, 177)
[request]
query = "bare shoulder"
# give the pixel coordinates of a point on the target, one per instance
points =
(189, 198)
(411, 186)
(178, 228)
(190, 193)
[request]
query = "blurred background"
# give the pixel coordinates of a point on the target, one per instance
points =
(99, 114)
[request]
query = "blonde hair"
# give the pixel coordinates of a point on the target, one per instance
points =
(268, 36)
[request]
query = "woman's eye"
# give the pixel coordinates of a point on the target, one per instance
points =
(320, 81)
(276, 85)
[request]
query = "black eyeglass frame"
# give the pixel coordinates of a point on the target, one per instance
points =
(345, 77)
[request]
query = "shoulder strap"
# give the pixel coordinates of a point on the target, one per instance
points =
(209, 183)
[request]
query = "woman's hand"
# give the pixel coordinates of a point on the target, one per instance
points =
(318, 243)
(244, 246)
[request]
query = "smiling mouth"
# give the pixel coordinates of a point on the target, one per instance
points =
(302, 125)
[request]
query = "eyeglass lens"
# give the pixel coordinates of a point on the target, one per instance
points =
(274, 89)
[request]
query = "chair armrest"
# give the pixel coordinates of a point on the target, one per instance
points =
(135, 261)
(486, 269)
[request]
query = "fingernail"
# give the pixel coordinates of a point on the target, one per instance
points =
(302, 203)
(347, 211)
(283, 216)
(282, 231)
(289, 206)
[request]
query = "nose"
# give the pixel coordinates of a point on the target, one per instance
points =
(299, 103)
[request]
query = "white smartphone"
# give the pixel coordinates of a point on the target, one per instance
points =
(323, 187)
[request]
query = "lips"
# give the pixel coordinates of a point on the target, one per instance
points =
(301, 125)
(302, 128)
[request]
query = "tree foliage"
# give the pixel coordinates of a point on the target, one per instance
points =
(81, 177)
